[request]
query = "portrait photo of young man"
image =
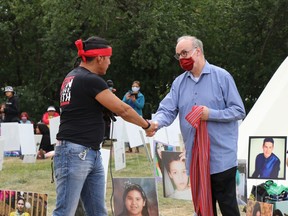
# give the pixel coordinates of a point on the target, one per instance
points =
(267, 157)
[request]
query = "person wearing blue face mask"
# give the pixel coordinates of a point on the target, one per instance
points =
(136, 100)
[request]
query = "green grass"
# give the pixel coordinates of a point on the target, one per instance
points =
(36, 177)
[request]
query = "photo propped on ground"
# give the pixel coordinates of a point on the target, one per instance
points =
(11, 201)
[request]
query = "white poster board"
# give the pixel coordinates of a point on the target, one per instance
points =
(161, 135)
(10, 133)
(173, 133)
(54, 128)
(27, 140)
(119, 155)
(133, 134)
(105, 154)
(37, 138)
(118, 130)
(1, 152)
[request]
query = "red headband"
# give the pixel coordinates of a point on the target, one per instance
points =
(93, 52)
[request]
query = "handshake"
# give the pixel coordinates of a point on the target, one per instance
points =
(152, 128)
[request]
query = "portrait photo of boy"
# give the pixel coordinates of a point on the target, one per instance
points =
(267, 157)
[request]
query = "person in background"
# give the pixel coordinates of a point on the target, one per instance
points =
(111, 86)
(24, 118)
(51, 113)
(20, 209)
(2, 115)
(136, 100)
(211, 91)
(135, 201)
(45, 144)
(78, 165)
(267, 164)
(11, 107)
(107, 113)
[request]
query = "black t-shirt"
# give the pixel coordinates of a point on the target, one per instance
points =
(81, 119)
(11, 110)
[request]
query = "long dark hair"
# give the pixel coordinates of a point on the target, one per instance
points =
(130, 187)
(159, 159)
(256, 208)
(43, 128)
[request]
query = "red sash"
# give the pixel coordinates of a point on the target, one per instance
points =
(200, 165)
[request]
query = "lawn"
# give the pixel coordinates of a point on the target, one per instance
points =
(36, 177)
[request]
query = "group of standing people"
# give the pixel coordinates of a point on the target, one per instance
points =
(10, 110)
(77, 163)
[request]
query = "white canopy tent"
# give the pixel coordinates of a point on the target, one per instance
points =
(268, 117)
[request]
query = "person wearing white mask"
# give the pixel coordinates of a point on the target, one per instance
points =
(136, 100)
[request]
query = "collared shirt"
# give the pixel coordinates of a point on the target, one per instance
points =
(266, 167)
(217, 90)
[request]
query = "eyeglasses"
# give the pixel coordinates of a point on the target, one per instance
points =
(183, 53)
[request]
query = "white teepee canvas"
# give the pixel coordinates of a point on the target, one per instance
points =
(268, 117)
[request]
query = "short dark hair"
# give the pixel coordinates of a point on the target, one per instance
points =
(93, 42)
(173, 156)
(268, 139)
(20, 198)
(110, 83)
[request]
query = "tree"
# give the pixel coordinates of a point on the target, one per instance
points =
(248, 38)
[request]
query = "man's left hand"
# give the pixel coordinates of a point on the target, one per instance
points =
(205, 114)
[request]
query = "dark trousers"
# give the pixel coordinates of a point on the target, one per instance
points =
(224, 192)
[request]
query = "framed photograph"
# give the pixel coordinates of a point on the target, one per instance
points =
(259, 208)
(176, 182)
(12, 201)
(158, 148)
(135, 196)
(266, 157)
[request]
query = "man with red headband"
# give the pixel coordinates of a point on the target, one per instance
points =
(78, 164)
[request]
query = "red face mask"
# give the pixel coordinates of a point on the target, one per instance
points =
(186, 63)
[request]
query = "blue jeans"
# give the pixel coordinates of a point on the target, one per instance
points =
(76, 177)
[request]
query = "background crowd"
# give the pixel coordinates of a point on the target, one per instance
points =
(11, 112)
